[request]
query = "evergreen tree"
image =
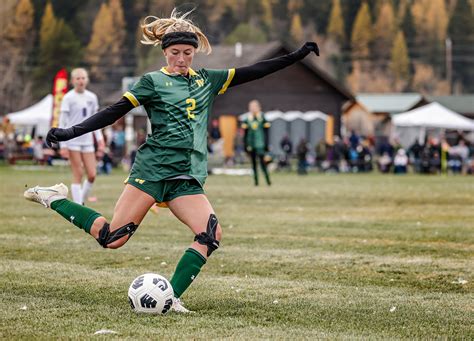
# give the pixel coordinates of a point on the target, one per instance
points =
(119, 33)
(48, 23)
(101, 42)
(385, 29)
(16, 42)
(408, 25)
(267, 13)
(18, 31)
(362, 33)
(336, 24)
(294, 6)
(350, 9)
(296, 29)
(400, 62)
(461, 31)
(60, 49)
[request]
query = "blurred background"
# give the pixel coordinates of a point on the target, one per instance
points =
(341, 112)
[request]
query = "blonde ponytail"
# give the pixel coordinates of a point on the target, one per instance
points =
(155, 28)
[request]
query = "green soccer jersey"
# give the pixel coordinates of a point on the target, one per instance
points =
(178, 108)
(255, 137)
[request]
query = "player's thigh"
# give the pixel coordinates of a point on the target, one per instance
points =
(194, 211)
(89, 164)
(75, 160)
(131, 207)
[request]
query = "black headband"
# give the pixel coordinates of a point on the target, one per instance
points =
(173, 38)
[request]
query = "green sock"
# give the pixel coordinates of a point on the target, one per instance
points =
(81, 216)
(186, 271)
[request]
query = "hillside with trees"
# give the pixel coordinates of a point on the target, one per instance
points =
(370, 45)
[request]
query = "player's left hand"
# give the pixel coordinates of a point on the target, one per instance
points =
(312, 46)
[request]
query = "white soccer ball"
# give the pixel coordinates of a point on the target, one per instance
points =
(150, 293)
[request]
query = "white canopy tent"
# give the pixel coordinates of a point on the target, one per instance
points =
(414, 123)
(38, 115)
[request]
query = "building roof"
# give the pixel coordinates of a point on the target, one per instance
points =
(463, 104)
(392, 103)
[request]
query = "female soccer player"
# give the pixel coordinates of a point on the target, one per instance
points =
(77, 105)
(256, 139)
(171, 166)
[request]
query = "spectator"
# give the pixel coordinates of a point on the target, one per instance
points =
(287, 148)
(301, 152)
(365, 157)
(339, 153)
(400, 162)
(414, 153)
(117, 145)
(354, 140)
(385, 163)
(321, 154)
(458, 157)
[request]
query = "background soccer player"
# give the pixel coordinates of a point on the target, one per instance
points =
(77, 105)
(256, 139)
(171, 166)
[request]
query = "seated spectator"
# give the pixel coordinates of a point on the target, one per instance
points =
(400, 162)
(385, 163)
(287, 147)
(301, 151)
(458, 157)
(321, 150)
(365, 157)
(415, 155)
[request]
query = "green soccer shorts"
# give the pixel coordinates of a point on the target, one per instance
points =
(166, 190)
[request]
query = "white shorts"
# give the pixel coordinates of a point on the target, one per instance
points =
(81, 148)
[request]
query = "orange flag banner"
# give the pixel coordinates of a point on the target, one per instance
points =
(59, 90)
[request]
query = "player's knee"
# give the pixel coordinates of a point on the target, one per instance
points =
(210, 238)
(118, 243)
(116, 238)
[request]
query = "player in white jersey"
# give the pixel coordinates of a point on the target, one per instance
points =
(77, 105)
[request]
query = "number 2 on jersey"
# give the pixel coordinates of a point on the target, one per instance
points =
(190, 108)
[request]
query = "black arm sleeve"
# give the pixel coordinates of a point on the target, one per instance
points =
(261, 69)
(100, 120)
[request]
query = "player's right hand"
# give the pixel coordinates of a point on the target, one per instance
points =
(55, 135)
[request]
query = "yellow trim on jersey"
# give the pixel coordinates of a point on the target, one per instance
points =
(227, 83)
(128, 95)
(245, 125)
(163, 69)
(166, 72)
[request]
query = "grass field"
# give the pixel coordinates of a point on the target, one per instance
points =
(342, 256)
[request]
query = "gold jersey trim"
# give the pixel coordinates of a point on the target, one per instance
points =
(230, 76)
(128, 95)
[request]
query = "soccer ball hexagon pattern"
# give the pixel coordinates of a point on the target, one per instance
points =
(150, 293)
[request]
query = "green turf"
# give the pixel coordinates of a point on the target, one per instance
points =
(321, 256)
